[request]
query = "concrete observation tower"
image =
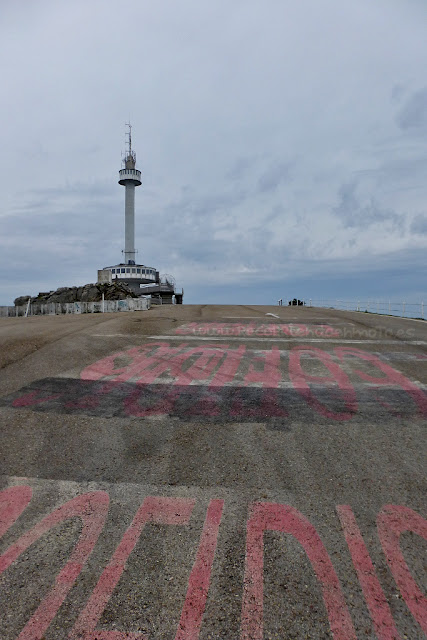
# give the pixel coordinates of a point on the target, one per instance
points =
(130, 177)
(143, 280)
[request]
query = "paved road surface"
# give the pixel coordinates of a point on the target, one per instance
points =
(213, 472)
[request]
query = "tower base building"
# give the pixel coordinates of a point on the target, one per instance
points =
(144, 281)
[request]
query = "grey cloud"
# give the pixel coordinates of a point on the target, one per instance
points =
(353, 213)
(64, 232)
(397, 92)
(209, 232)
(275, 175)
(276, 214)
(76, 198)
(414, 113)
(203, 206)
(419, 224)
(92, 190)
(73, 210)
(240, 168)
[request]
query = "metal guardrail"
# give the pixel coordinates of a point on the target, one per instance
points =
(381, 307)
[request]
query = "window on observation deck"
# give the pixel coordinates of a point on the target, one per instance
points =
(123, 270)
(113, 271)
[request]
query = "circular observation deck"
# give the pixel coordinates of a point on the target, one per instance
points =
(130, 175)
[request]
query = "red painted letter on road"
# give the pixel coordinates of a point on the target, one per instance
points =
(198, 584)
(300, 380)
(374, 595)
(13, 501)
(392, 521)
(170, 511)
(391, 377)
(277, 517)
(92, 509)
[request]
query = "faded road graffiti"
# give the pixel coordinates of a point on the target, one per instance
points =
(230, 383)
(92, 510)
(257, 329)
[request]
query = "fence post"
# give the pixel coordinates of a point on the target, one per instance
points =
(102, 302)
(422, 310)
(404, 309)
(389, 307)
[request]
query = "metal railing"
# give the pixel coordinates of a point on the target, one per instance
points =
(58, 308)
(383, 307)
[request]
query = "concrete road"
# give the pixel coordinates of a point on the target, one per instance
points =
(213, 472)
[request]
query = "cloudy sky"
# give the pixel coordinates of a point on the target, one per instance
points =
(283, 145)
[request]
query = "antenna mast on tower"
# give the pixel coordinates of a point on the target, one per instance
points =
(129, 154)
(129, 135)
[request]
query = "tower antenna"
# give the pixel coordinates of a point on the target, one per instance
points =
(129, 138)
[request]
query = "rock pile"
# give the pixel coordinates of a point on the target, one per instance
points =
(86, 293)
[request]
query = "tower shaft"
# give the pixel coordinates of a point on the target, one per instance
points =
(130, 223)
